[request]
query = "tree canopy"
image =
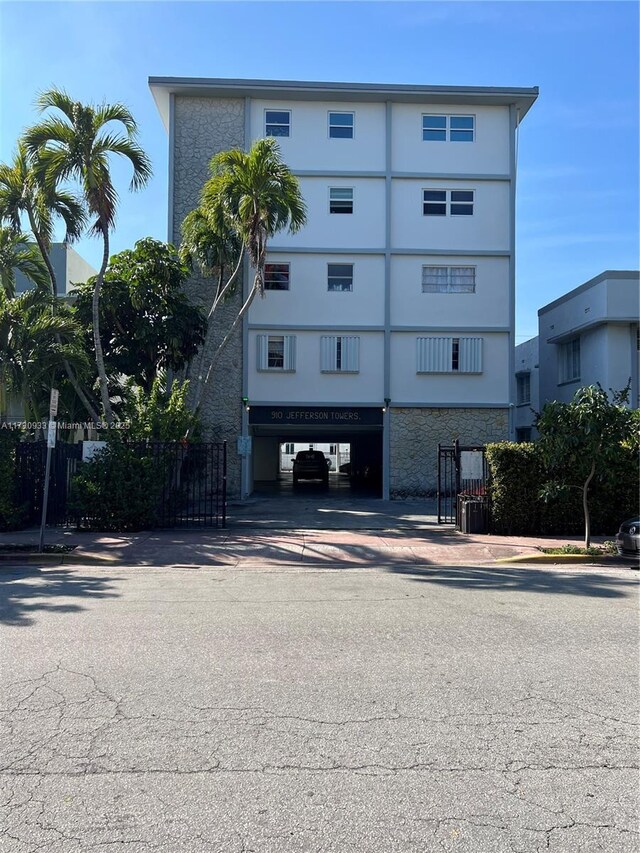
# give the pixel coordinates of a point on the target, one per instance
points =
(147, 323)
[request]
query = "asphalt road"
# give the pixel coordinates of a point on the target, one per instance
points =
(289, 710)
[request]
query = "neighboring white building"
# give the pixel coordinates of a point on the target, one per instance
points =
(389, 319)
(68, 266)
(587, 336)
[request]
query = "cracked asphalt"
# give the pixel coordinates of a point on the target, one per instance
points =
(290, 709)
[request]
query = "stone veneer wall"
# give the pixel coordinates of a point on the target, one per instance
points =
(204, 126)
(415, 435)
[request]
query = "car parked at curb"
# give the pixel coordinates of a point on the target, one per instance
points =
(311, 465)
(628, 538)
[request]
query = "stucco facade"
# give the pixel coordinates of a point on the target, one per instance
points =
(426, 305)
(587, 336)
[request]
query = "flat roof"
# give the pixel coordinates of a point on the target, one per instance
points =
(607, 274)
(309, 90)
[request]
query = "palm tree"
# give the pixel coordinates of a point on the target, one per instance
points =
(35, 342)
(17, 254)
(24, 193)
(253, 195)
(77, 145)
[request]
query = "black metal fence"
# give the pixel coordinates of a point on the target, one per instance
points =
(194, 484)
(31, 457)
(462, 471)
(192, 490)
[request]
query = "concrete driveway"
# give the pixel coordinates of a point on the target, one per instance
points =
(289, 709)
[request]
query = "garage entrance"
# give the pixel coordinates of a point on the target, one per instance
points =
(350, 438)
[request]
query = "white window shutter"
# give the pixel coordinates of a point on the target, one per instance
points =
(289, 352)
(351, 353)
(262, 351)
(470, 355)
(328, 346)
(434, 355)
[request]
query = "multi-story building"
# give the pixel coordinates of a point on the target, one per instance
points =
(587, 336)
(70, 268)
(388, 320)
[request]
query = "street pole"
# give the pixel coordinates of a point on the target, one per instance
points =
(51, 443)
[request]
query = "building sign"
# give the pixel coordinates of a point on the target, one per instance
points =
(338, 416)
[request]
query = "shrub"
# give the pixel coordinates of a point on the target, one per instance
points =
(516, 475)
(11, 515)
(119, 489)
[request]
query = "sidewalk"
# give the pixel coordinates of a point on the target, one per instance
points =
(432, 545)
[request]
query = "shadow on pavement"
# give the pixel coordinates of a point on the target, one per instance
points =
(25, 591)
(522, 580)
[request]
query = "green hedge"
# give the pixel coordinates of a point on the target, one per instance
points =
(516, 477)
(119, 490)
(11, 515)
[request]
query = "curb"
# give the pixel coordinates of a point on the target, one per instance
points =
(18, 557)
(604, 559)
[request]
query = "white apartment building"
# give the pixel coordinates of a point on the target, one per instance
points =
(70, 269)
(586, 336)
(388, 321)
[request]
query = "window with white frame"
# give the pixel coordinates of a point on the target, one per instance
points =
(443, 128)
(453, 202)
(277, 122)
(523, 388)
(341, 125)
(448, 279)
(277, 276)
(339, 354)
(340, 199)
(340, 277)
(569, 361)
(276, 352)
(449, 355)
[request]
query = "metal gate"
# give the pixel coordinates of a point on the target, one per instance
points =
(194, 488)
(31, 457)
(462, 470)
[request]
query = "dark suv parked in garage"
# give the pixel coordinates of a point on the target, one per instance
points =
(311, 465)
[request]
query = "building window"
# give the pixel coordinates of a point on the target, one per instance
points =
(277, 123)
(339, 354)
(523, 434)
(276, 352)
(276, 276)
(340, 199)
(451, 128)
(449, 355)
(448, 279)
(569, 361)
(457, 202)
(289, 448)
(523, 388)
(341, 125)
(340, 277)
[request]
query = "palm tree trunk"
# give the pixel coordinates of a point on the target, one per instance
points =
(102, 374)
(585, 506)
(220, 294)
(93, 415)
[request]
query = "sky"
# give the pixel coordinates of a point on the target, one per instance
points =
(577, 197)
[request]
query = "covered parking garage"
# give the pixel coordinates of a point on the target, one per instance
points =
(360, 427)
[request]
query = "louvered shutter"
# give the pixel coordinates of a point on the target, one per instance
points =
(328, 346)
(289, 352)
(470, 355)
(434, 355)
(351, 353)
(262, 351)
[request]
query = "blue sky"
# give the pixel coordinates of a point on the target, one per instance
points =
(578, 160)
